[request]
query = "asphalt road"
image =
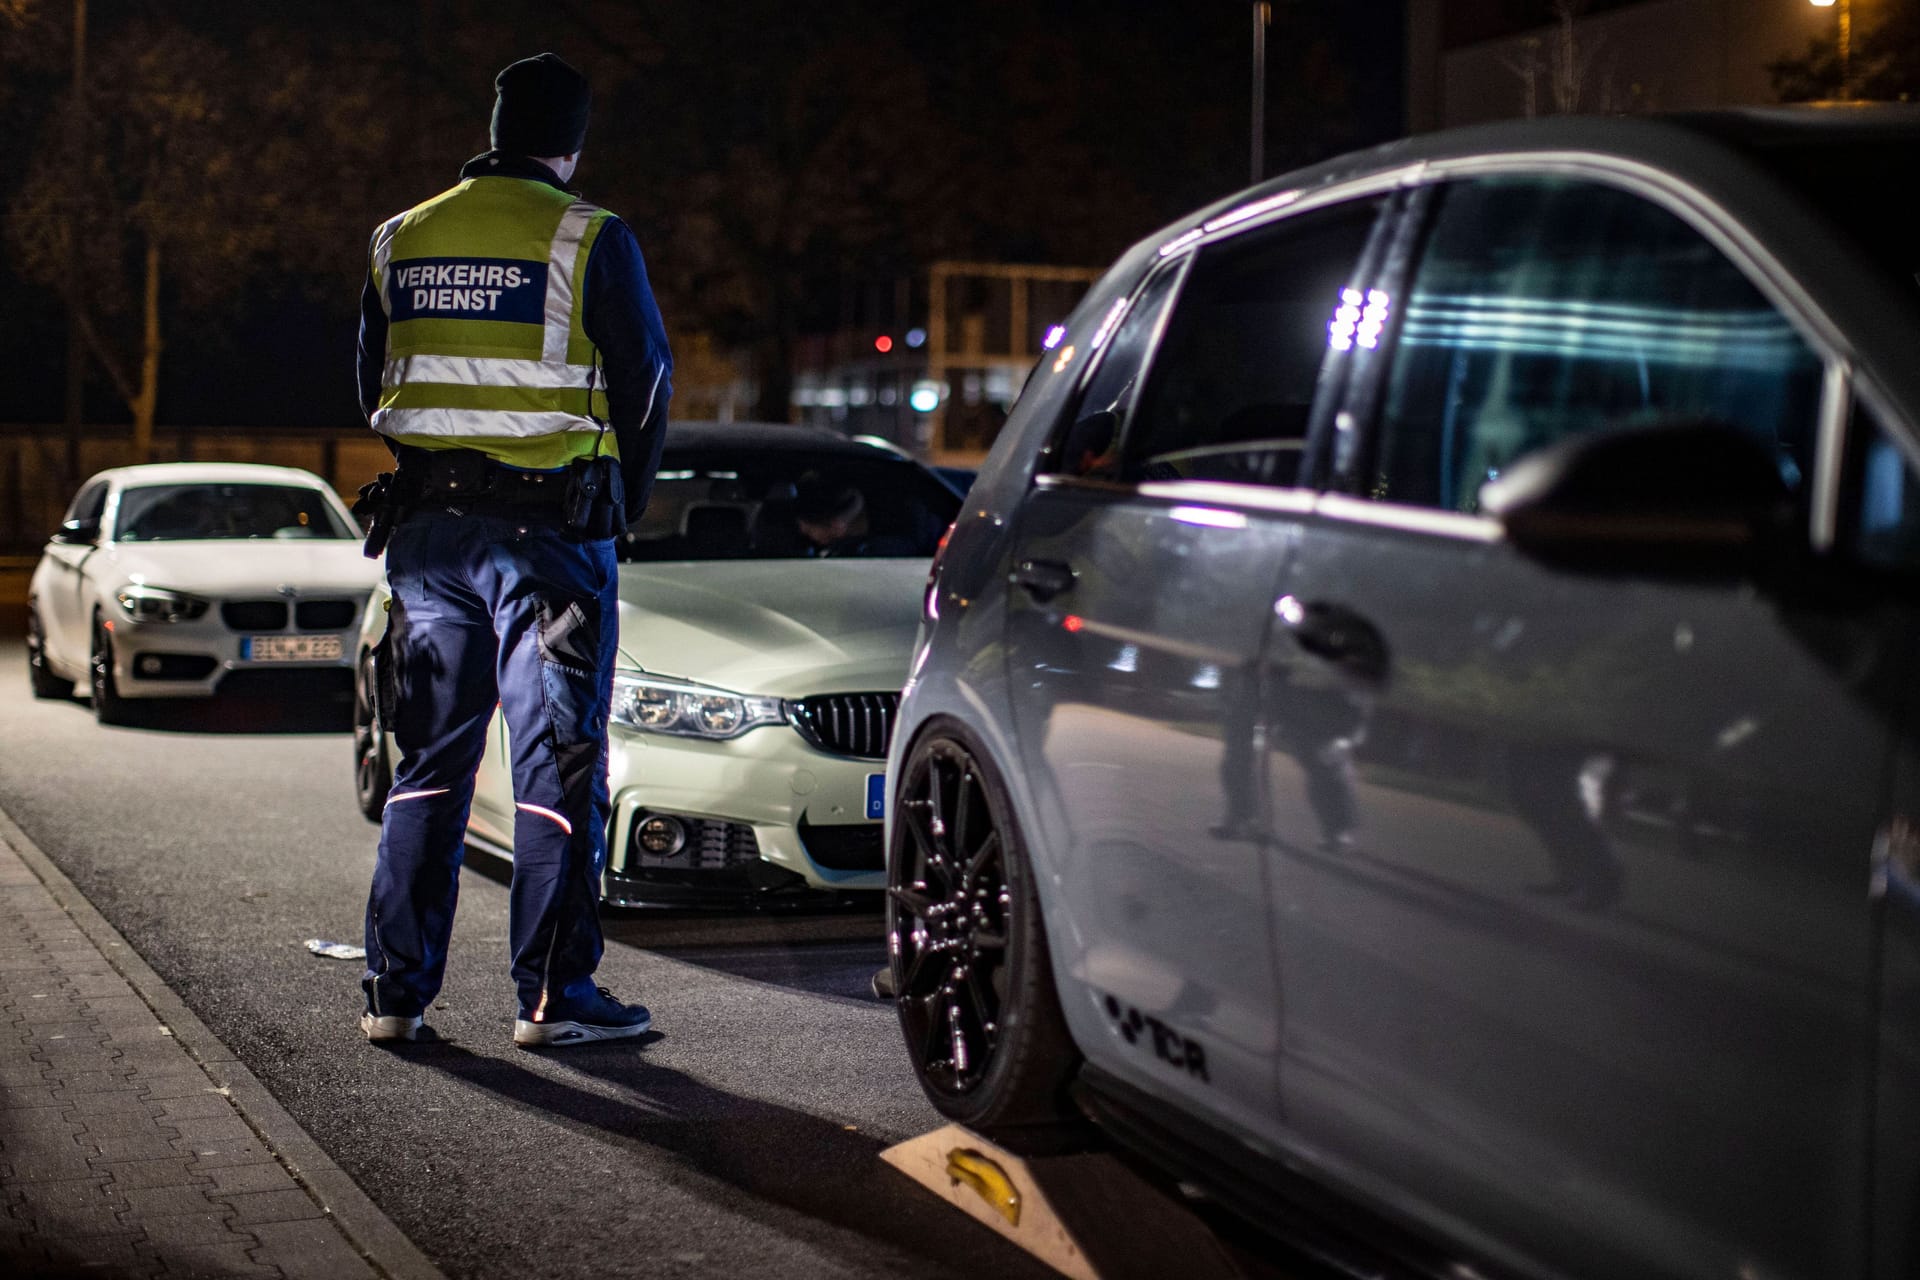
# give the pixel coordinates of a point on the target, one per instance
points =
(741, 1138)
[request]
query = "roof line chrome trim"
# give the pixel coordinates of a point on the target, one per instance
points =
(1286, 204)
(1836, 402)
(1390, 515)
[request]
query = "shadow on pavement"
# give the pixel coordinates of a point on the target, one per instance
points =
(830, 951)
(786, 1162)
(284, 713)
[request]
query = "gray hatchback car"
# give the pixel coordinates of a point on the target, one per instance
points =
(1415, 719)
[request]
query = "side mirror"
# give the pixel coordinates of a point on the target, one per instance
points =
(1693, 498)
(79, 532)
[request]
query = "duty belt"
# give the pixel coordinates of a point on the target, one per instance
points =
(455, 477)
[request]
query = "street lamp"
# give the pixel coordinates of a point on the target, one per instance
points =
(1262, 15)
(1846, 44)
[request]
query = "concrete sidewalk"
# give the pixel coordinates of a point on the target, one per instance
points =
(132, 1143)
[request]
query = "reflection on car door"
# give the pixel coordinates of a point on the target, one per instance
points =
(1143, 566)
(1571, 908)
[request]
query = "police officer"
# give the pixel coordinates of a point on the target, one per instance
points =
(513, 358)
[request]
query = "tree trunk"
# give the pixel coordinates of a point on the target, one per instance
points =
(145, 402)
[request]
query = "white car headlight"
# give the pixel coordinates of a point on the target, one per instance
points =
(157, 604)
(685, 710)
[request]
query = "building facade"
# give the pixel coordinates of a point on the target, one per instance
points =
(1471, 61)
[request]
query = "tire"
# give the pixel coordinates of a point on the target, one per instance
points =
(969, 956)
(108, 706)
(372, 767)
(45, 683)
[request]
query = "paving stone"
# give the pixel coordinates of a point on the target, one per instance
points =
(267, 1175)
(33, 1121)
(216, 1260)
(173, 1084)
(173, 1171)
(80, 1196)
(159, 1145)
(43, 1095)
(209, 1129)
(167, 1230)
(22, 1075)
(273, 1206)
(212, 1155)
(94, 1109)
(98, 1082)
(123, 1255)
(97, 984)
(312, 1250)
(148, 1201)
(73, 1057)
(193, 1106)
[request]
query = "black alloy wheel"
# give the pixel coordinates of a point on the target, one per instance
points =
(108, 706)
(968, 948)
(372, 767)
(39, 674)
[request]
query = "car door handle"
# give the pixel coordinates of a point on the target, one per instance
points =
(1336, 634)
(1043, 579)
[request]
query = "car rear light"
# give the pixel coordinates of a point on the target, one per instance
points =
(932, 599)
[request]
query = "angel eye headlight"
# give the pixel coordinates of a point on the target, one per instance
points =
(157, 604)
(682, 709)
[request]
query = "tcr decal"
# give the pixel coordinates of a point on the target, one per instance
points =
(1170, 1046)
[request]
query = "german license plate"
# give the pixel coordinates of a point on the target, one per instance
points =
(876, 795)
(290, 648)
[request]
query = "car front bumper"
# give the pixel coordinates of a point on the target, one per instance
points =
(192, 659)
(763, 814)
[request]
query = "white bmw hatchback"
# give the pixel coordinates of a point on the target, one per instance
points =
(169, 580)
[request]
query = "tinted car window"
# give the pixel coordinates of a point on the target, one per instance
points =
(1886, 496)
(778, 504)
(1090, 446)
(1545, 307)
(167, 512)
(1232, 386)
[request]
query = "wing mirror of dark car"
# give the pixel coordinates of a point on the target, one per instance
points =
(78, 532)
(1698, 498)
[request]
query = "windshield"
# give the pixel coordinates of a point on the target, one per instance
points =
(783, 504)
(177, 512)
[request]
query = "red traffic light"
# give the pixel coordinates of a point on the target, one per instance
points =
(883, 344)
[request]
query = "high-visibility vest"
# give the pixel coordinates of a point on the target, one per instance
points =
(484, 289)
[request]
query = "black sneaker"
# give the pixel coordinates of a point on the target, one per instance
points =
(597, 1017)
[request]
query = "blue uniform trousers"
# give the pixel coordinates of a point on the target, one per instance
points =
(493, 606)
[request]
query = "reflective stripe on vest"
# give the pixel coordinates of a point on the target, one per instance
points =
(472, 360)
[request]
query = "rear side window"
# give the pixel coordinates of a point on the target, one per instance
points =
(1884, 492)
(1545, 307)
(1232, 388)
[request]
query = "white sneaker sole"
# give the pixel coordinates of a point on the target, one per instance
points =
(534, 1034)
(390, 1028)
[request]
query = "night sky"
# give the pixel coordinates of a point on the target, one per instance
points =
(772, 157)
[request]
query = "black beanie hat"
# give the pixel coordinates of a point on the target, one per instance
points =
(541, 108)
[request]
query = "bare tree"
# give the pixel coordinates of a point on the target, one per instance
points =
(191, 170)
(1563, 64)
